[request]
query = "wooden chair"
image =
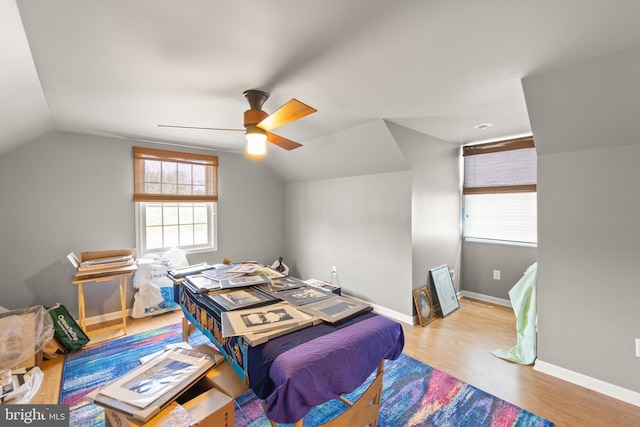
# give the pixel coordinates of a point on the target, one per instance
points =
(362, 412)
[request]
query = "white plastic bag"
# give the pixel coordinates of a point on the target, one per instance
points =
(23, 333)
(25, 389)
(154, 297)
(175, 258)
(155, 289)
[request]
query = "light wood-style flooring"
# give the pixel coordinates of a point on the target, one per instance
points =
(459, 345)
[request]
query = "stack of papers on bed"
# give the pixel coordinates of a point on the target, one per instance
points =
(262, 319)
(229, 276)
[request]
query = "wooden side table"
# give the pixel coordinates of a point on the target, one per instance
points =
(120, 275)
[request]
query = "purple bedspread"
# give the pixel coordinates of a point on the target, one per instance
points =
(322, 369)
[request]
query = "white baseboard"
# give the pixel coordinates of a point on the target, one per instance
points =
(594, 384)
(394, 314)
(387, 312)
(116, 315)
(485, 298)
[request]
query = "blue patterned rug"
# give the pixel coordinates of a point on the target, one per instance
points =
(89, 368)
(414, 394)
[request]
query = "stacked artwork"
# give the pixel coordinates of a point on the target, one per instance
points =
(257, 301)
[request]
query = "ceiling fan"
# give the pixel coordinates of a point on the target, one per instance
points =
(257, 123)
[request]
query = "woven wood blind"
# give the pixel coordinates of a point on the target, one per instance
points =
(500, 167)
(171, 176)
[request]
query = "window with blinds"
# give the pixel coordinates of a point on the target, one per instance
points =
(175, 195)
(170, 176)
(499, 187)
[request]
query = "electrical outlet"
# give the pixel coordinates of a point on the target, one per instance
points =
(496, 274)
(637, 347)
(334, 270)
(453, 274)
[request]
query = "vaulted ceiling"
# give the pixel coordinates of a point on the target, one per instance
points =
(120, 67)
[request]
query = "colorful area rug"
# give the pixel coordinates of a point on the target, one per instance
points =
(90, 367)
(414, 394)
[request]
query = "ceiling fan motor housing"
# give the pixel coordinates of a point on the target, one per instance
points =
(253, 117)
(256, 99)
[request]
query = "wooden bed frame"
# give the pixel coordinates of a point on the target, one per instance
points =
(362, 412)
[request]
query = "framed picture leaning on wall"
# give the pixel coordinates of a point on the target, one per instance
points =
(424, 306)
(445, 291)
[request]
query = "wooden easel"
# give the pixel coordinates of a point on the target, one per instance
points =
(121, 277)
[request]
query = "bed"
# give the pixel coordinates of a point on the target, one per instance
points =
(302, 369)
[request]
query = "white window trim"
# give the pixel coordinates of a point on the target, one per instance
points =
(141, 232)
(500, 242)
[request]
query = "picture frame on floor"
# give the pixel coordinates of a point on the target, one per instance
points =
(424, 306)
(444, 289)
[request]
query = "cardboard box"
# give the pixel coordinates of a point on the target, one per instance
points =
(205, 404)
(222, 376)
(226, 380)
(211, 408)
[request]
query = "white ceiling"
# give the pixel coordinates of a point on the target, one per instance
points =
(121, 67)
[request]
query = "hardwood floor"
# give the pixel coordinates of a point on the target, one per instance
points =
(459, 345)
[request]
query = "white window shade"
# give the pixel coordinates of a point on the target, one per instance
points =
(499, 187)
(501, 217)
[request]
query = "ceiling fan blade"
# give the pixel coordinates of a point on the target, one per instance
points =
(282, 142)
(194, 127)
(292, 110)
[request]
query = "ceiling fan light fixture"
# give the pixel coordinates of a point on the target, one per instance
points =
(256, 142)
(258, 124)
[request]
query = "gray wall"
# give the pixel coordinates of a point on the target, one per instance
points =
(69, 192)
(585, 123)
(435, 202)
(480, 259)
(401, 224)
(406, 219)
(361, 225)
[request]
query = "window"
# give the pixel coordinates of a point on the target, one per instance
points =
(500, 199)
(176, 195)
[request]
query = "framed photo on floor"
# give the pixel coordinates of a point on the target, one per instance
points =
(424, 306)
(445, 291)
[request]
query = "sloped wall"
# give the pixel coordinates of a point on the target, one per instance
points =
(367, 149)
(585, 123)
(24, 113)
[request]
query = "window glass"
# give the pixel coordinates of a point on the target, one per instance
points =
(189, 226)
(175, 195)
(499, 187)
(509, 217)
